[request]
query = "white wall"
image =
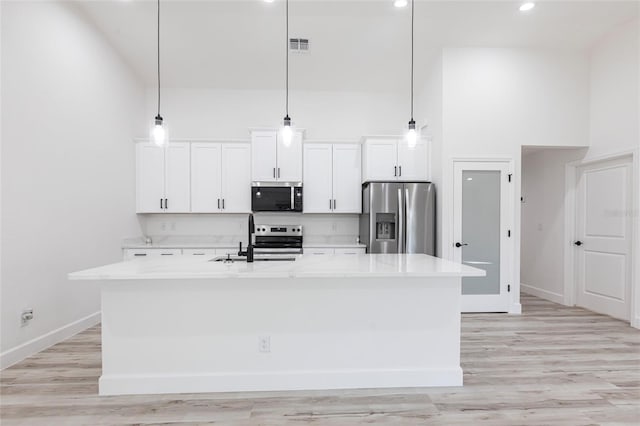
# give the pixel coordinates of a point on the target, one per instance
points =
(495, 100)
(219, 114)
(614, 87)
(543, 221)
(70, 107)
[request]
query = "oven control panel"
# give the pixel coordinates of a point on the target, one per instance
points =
(278, 230)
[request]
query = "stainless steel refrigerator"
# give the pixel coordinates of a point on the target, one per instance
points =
(398, 217)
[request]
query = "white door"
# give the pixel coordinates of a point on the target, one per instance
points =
(347, 178)
(206, 173)
(317, 178)
(481, 233)
(412, 162)
(177, 178)
(149, 178)
(263, 156)
(381, 160)
(603, 237)
(289, 167)
(236, 178)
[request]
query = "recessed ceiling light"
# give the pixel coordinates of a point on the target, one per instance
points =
(527, 6)
(400, 3)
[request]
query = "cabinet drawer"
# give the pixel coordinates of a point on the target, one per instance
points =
(350, 251)
(318, 251)
(146, 253)
(199, 252)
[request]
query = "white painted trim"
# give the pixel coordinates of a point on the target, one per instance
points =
(212, 140)
(33, 346)
(114, 384)
(570, 287)
(515, 309)
(542, 293)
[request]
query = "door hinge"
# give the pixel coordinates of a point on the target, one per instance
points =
(509, 177)
(509, 233)
(509, 288)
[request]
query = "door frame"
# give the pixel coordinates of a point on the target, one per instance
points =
(514, 306)
(570, 207)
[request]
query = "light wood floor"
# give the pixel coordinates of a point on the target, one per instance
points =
(550, 366)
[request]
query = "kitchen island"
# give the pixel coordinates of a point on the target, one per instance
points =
(183, 325)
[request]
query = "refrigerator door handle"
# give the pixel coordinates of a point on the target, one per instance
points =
(401, 225)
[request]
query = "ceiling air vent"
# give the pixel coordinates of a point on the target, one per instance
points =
(299, 45)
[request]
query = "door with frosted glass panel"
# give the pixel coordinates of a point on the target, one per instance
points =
(481, 233)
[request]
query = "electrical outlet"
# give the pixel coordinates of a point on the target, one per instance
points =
(264, 344)
(163, 226)
(26, 316)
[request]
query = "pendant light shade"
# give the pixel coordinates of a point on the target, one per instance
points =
(412, 133)
(287, 130)
(159, 134)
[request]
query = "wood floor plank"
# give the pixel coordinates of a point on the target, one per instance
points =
(552, 365)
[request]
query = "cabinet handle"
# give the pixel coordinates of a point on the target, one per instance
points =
(274, 172)
(334, 203)
(330, 208)
(223, 204)
(140, 254)
(161, 204)
(400, 170)
(166, 254)
(278, 172)
(395, 170)
(166, 203)
(218, 203)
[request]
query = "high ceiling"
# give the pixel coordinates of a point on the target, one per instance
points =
(355, 45)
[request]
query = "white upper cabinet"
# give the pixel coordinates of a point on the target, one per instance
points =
(149, 178)
(318, 178)
(162, 178)
(388, 159)
(332, 178)
(206, 177)
(272, 160)
(236, 178)
(347, 178)
(263, 156)
(220, 177)
(412, 162)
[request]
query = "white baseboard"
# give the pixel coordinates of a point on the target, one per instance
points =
(543, 294)
(515, 308)
(129, 384)
(33, 346)
(635, 322)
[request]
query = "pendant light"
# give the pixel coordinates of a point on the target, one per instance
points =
(412, 134)
(159, 129)
(287, 130)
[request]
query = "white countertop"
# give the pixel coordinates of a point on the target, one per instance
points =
(194, 242)
(305, 266)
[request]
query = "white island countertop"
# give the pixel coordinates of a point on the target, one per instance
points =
(305, 266)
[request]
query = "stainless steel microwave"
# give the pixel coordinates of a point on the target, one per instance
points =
(276, 197)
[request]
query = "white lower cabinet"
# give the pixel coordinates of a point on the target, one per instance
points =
(337, 251)
(146, 253)
(199, 252)
(318, 251)
(349, 251)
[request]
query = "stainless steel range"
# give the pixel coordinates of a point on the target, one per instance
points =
(277, 240)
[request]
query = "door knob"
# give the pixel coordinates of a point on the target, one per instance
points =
(578, 243)
(461, 244)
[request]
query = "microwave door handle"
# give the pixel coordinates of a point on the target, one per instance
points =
(292, 198)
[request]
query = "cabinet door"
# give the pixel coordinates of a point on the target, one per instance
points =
(206, 177)
(412, 162)
(263, 156)
(289, 167)
(347, 179)
(236, 178)
(317, 178)
(177, 177)
(204, 253)
(149, 178)
(381, 160)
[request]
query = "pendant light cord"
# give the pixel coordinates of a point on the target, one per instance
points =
(287, 60)
(412, 59)
(158, 57)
